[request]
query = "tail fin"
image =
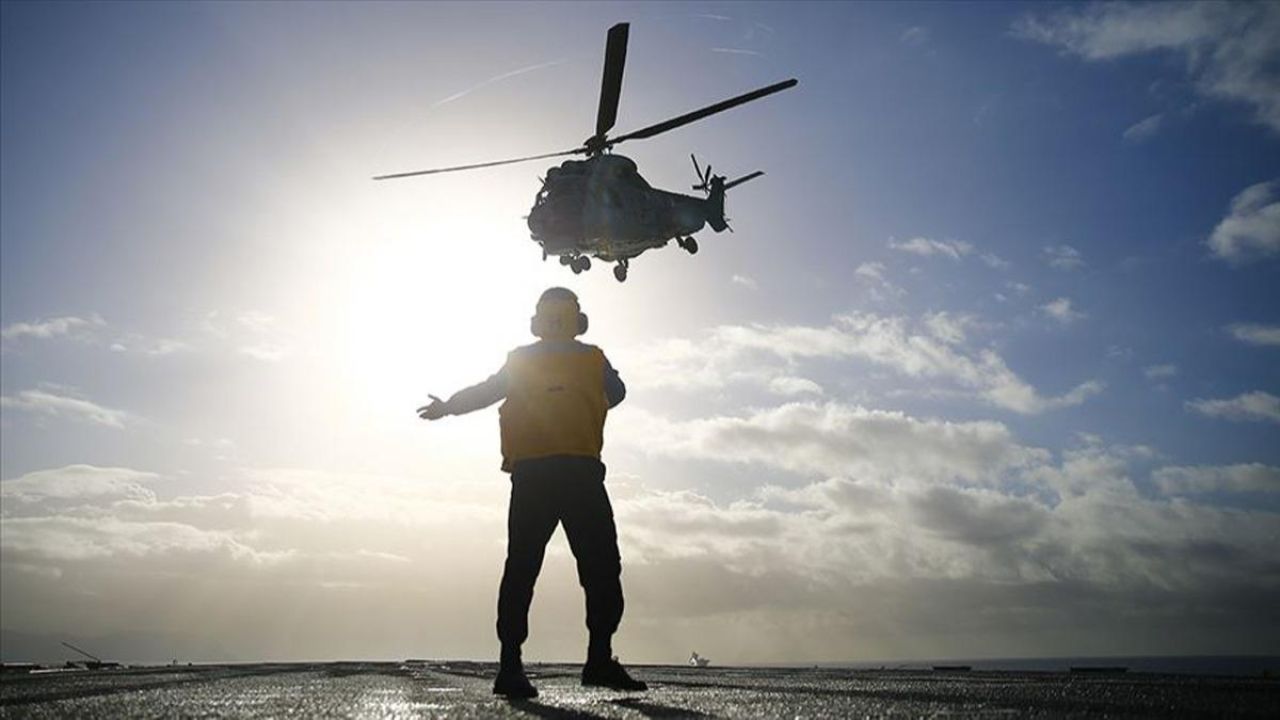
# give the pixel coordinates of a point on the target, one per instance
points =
(715, 187)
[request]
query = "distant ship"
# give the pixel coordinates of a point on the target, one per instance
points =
(697, 660)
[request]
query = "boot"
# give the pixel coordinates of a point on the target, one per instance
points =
(512, 683)
(610, 674)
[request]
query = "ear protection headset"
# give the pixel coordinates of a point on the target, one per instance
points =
(558, 314)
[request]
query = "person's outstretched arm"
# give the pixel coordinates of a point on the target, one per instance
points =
(480, 395)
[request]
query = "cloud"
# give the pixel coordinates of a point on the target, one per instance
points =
(920, 523)
(43, 402)
(67, 325)
(299, 523)
(1251, 229)
(835, 439)
(1060, 309)
(794, 386)
(1144, 129)
(1229, 49)
(1063, 257)
(897, 497)
(949, 327)
(925, 247)
(1160, 372)
(153, 347)
(871, 271)
(938, 351)
(880, 287)
(1256, 406)
(74, 484)
(745, 281)
(1255, 333)
(994, 261)
(265, 353)
(914, 36)
(252, 333)
(1120, 352)
(1197, 479)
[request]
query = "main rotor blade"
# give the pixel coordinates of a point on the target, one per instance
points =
(575, 151)
(744, 178)
(615, 57)
(696, 115)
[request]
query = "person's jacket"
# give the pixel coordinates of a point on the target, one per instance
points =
(557, 394)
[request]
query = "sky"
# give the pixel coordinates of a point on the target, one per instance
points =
(989, 367)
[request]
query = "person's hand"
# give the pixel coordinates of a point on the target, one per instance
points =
(436, 410)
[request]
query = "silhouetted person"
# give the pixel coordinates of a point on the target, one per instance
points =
(558, 392)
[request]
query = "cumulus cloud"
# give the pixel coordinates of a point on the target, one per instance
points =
(745, 281)
(53, 404)
(301, 523)
(1251, 229)
(1196, 479)
(1160, 372)
(1063, 257)
(926, 247)
(937, 351)
(891, 510)
(1256, 406)
(1255, 333)
(1144, 129)
(835, 439)
(1060, 309)
(1230, 50)
(897, 497)
(74, 484)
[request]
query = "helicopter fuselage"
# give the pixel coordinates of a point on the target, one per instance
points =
(601, 207)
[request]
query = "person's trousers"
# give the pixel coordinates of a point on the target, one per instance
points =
(544, 493)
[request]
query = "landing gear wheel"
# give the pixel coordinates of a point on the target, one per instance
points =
(566, 260)
(690, 245)
(620, 272)
(581, 264)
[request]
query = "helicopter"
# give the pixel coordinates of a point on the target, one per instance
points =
(601, 207)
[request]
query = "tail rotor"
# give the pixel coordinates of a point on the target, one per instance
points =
(707, 182)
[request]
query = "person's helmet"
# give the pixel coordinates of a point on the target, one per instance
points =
(558, 317)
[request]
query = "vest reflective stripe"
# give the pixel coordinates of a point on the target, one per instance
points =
(555, 403)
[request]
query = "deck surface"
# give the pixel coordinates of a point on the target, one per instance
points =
(463, 690)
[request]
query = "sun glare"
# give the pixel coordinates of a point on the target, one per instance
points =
(436, 305)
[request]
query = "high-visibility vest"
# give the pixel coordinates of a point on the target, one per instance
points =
(555, 402)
